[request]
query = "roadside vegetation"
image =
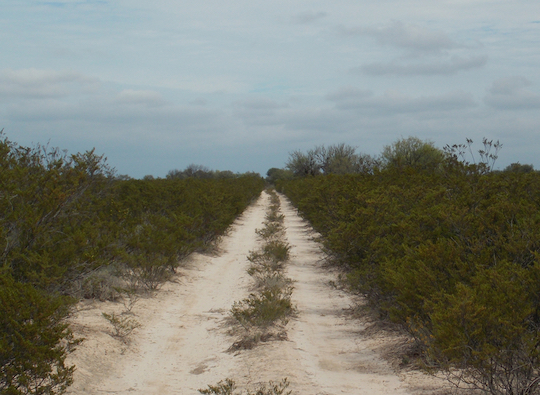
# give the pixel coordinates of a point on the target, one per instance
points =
(445, 247)
(228, 387)
(264, 314)
(71, 229)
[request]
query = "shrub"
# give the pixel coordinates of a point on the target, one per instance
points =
(264, 308)
(102, 283)
(34, 341)
(123, 326)
(228, 387)
(451, 255)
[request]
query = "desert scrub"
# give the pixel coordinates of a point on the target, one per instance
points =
(271, 230)
(265, 313)
(274, 250)
(123, 326)
(274, 216)
(265, 308)
(228, 387)
(274, 280)
(270, 259)
(102, 284)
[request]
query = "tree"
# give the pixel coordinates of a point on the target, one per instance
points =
(519, 168)
(412, 152)
(334, 159)
(303, 165)
(458, 154)
(274, 174)
(192, 171)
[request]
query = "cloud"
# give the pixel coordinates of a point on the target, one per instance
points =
(260, 104)
(426, 52)
(398, 68)
(392, 102)
(259, 111)
(409, 37)
(145, 97)
(511, 94)
(308, 17)
(37, 83)
(348, 93)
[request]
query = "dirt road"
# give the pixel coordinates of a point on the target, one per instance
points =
(182, 343)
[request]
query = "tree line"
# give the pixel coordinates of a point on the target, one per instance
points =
(403, 153)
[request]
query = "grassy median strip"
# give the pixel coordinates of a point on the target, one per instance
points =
(263, 315)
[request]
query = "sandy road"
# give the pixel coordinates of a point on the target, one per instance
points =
(183, 341)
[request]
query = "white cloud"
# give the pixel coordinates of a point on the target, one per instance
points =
(348, 93)
(393, 102)
(511, 94)
(38, 83)
(397, 67)
(146, 97)
(424, 51)
(260, 104)
(406, 36)
(189, 77)
(308, 16)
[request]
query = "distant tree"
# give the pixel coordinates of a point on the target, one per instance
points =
(519, 168)
(274, 174)
(334, 159)
(192, 171)
(412, 152)
(148, 177)
(224, 174)
(304, 164)
(483, 162)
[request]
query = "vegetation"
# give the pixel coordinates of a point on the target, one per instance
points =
(228, 387)
(123, 326)
(412, 152)
(450, 251)
(335, 159)
(70, 229)
(264, 314)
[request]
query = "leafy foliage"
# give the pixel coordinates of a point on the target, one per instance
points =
(228, 387)
(34, 340)
(450, 254)
(412, 152)
(269, 306)
(335, 159)
(68, 226)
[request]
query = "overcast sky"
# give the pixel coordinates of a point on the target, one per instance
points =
(237, 85)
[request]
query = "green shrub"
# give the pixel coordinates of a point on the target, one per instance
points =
(271, 230)
(34, 341)
(264, 308)
(228, 387)
(102, 284)
(451, 255)
(123, 325)
(69, 226)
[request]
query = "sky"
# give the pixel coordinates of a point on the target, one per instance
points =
(238, 85)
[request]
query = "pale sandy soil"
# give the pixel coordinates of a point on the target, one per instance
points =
(184, 336)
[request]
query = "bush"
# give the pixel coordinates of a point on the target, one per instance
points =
(265, 308)
(123, 326)
(34, 341)
(102, 284)
(228, 387)
(69, 226)
(451, 255)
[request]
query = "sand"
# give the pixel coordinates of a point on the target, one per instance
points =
(183, 341)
